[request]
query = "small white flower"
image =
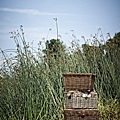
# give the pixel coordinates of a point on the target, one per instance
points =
(68, 94)
(89, 95)
(84, 95)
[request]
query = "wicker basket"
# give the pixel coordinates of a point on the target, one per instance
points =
(81, 114)
(78, 81)
(76, 99)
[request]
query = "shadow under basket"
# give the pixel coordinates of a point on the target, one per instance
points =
(79, 81)
(81, 114)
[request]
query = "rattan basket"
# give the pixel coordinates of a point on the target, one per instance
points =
(81, 114)
(79, 81)
(76, 99)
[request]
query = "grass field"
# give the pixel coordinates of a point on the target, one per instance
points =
(31, 84)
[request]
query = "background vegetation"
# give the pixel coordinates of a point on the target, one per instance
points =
(31, 83)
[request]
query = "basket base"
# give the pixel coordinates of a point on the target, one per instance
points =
(81, 114)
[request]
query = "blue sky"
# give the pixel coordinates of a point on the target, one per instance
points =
(82, 16)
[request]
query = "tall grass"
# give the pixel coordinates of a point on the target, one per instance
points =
(31, 87)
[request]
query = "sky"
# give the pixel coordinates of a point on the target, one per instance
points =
(78, 17)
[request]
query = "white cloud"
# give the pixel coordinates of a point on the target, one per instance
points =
(30, 11)
(26, 11)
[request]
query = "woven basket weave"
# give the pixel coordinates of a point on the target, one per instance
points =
(78, 81)
(81, 114)
(77, 99)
